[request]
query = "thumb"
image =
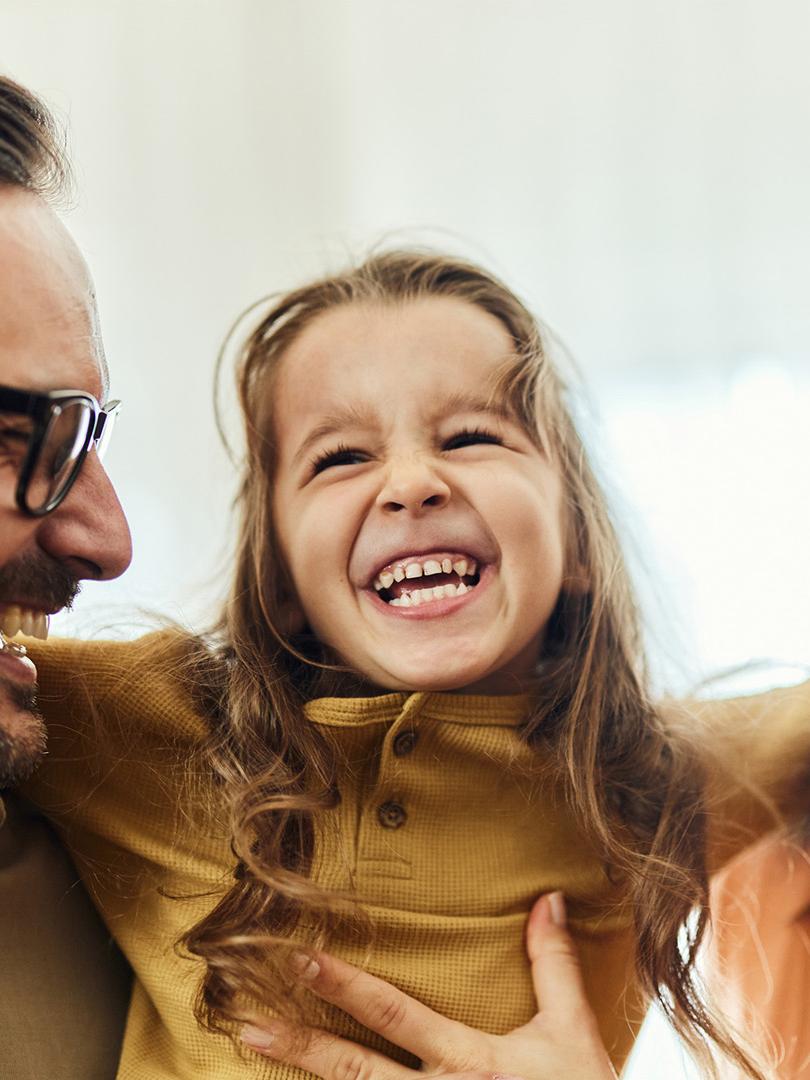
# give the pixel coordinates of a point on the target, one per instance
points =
(556, 972)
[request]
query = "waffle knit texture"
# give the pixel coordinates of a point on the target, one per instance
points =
(446, 843)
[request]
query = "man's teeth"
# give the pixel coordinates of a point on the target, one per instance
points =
(15, 619)
(411, 570)
(423, 596)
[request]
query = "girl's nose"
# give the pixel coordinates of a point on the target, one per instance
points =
(414, 486)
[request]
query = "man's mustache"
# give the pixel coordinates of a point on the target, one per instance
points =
(35, 580)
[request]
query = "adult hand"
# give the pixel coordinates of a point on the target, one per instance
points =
(561, 1042)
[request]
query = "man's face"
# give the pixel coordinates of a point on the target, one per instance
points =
(423, 528)
(49, 340)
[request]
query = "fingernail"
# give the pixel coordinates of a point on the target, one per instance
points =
(257, 1037)
(505, 1076)
(556, 905)
(304, 966)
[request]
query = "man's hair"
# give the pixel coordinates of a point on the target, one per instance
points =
(32, 147)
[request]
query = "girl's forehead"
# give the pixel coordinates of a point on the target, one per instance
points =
(387, 352)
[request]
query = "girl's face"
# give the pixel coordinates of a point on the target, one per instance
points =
(423, 528)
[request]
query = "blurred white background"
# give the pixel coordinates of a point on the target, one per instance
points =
(638, 170)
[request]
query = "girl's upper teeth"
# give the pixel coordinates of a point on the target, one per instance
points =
(416, 568)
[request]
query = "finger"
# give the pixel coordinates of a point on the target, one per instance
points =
(390, 1012)
(318, 1052)
(556, 972)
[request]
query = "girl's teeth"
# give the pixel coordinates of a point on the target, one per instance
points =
(426, 596)
(412, 570)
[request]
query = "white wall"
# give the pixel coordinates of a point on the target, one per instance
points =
(638, 169)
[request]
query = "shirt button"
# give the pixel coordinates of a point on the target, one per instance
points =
(391, 815)
(405, 742)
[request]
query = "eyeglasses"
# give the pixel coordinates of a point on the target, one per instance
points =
(47, 436)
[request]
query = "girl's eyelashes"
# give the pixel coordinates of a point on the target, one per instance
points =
(472, 436)
(340, 455)
(349, 455)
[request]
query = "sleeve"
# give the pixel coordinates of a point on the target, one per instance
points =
(756, 752)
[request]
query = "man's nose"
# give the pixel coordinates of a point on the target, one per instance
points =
(413, 485)
(89, 533)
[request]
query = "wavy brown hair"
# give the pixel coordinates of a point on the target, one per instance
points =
(634, 786)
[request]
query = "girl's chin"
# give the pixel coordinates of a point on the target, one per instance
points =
(471, 681)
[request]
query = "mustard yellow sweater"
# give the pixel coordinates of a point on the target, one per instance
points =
(445, 829)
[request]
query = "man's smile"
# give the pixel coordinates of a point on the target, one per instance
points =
(21, 618)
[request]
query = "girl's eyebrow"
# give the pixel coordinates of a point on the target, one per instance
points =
(356, 416)
(459, 402)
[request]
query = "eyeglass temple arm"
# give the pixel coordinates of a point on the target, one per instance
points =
(101, 423)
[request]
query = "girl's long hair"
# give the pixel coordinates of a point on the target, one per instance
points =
(635, 787)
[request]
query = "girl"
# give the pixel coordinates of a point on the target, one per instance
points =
(424, 704)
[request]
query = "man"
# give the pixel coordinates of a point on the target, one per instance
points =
(63, 990)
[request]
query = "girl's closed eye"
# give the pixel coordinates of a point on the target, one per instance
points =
(472, 437)
(349, 455)
(340, 455)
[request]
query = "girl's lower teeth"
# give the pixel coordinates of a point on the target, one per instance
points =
(425, 596)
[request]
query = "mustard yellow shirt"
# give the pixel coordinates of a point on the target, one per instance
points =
(447, 829)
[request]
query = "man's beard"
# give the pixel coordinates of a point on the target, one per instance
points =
(37, 581)
(22, 733)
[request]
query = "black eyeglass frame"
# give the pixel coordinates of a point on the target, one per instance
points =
(43, 407)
